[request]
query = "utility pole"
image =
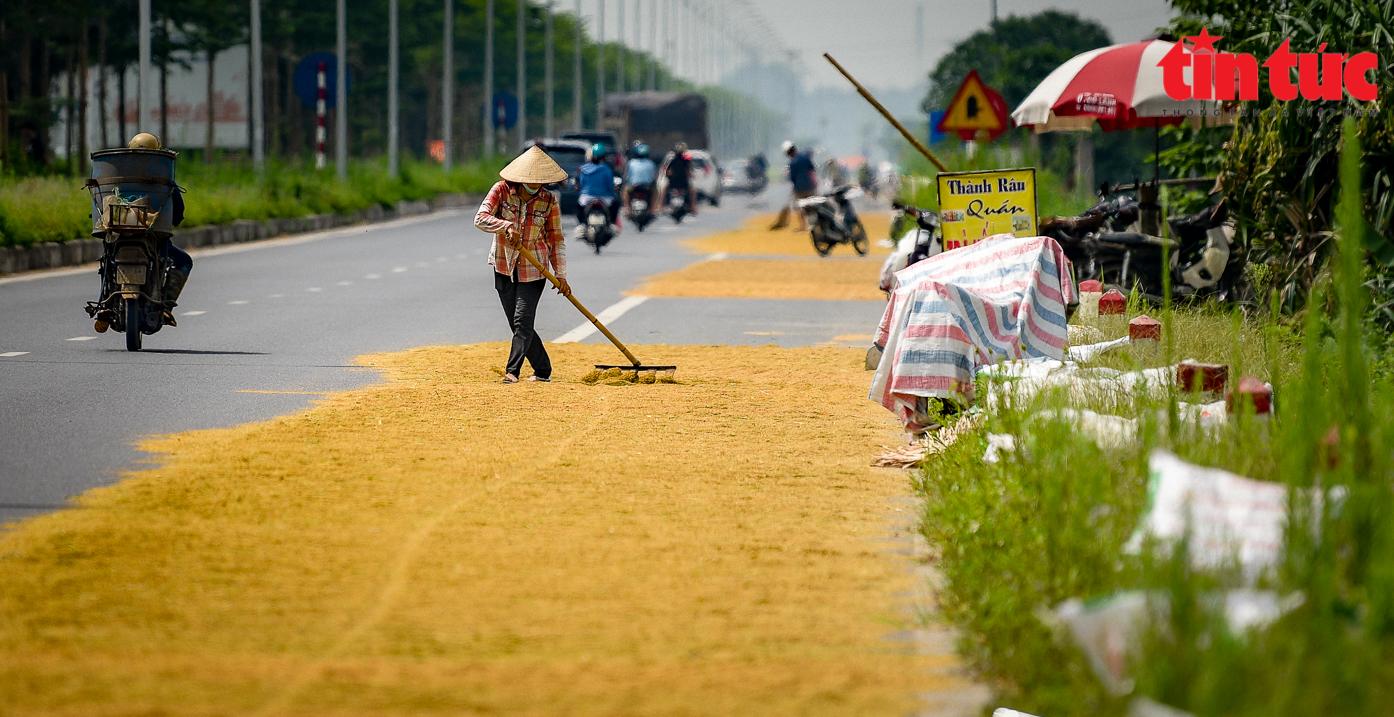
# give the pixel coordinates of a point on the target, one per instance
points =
(341, 95)
(639, 41)
(258, 116)
(143, 83)
(522, 72)
(994, 12)
(653, 49)
(620, 49)
(489, 78)
(447, 85)
(576, 73)
(547, 76)
(600, 63)
(393, 76)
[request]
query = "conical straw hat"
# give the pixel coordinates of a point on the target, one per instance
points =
(533, 167)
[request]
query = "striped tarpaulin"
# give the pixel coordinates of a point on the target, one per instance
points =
(1001, 298)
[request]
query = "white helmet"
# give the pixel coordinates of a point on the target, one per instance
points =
(784, 148)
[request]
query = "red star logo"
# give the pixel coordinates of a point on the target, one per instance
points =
(1204, 41)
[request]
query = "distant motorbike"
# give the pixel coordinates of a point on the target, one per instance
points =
(598, 230)
(1202, 258)
(131, 191)
(677, 204)
(832, 220)
(639, 211)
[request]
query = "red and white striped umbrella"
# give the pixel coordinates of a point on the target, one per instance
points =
(1119, 87)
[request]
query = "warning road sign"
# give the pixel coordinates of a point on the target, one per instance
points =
(975, 108)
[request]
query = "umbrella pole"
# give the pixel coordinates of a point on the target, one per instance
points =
(1157, 152)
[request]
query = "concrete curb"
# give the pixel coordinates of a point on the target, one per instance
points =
(52, 255)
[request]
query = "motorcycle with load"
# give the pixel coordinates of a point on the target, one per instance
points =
(598, 230)
(639, 210)
(133, 207)
(832, 220)
(676, 202)
(1202, 256)
(922, 238)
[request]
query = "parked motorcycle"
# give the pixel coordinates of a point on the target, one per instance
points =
(132, 213)
(598, 230)
(832, 220)
(677, 204)
(922, 239)
(640, 208)
(1202, 257)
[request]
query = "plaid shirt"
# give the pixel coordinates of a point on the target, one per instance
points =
(541, 231)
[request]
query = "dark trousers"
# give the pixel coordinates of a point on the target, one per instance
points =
(180, 266)
(519, 299)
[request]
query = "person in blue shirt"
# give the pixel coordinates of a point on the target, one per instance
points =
(597, 181)
(805, 180)
(639, 171)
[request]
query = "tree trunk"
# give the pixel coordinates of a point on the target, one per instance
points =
(121, 104)
(70, 78)
(81, 163)
(212, 61)
(101, 82)
(164, 100)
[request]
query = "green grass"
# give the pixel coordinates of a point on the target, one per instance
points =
(41, 209)
(1048, 523)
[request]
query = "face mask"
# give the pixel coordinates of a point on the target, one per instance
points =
(531, 188)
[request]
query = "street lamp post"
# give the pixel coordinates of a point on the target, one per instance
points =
(447, 84)
(488, 78)
(143, 84)
(576, 72)
(341, 94)
(258, 118)
(547, 75)
(393, 77)
(522, 72)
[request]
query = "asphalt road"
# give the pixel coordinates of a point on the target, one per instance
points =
(265, 326)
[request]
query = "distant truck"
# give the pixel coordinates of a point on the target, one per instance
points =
(658, 119)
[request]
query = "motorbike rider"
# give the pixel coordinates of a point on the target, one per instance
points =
(804, 179)
(678, 171)
(179, 262)
(597, 182)
(639, 171)
(757, 166)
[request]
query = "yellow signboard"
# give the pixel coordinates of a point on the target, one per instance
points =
(977, 205)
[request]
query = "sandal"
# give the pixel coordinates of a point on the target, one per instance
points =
(510, 378)
(539, 379)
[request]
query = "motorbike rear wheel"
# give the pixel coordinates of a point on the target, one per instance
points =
(134, 318)
(860, 242)
(821, 243)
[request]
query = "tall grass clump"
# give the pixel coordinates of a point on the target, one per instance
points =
(1048, 521)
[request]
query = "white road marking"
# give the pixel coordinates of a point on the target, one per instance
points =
(372, 276)
(276, 296)
(442, 259)
(462, 256)
(421, 265)
(313, 289)
(343, 283)
(193, 313)
(12, 354)
(719, 256)
(81, 338)
(610, 314)
(398, 269)
(238, 302)
(258, 245)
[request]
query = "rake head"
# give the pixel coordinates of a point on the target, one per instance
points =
(630, 373)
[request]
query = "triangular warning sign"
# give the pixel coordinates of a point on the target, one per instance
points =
(975, 108)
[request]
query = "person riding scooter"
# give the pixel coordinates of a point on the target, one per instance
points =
(180, 263)
(597, 182)
(678, 171)
(640, 171)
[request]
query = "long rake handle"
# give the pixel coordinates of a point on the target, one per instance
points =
(579, 307)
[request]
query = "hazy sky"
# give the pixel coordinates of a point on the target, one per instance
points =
(876, 39)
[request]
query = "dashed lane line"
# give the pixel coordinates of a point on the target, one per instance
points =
(372, 277)
(238, 302)
(314, 289)
(81, 338)
(193, 313)
(12, 354)
(608, 315)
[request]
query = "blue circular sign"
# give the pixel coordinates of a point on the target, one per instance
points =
(505, 109)
(305, 83)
